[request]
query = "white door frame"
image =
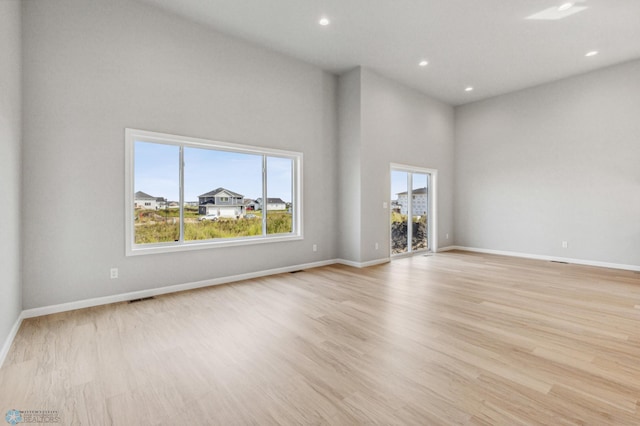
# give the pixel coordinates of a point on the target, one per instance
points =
(432, 199)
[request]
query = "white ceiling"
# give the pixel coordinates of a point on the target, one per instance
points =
(487, 44)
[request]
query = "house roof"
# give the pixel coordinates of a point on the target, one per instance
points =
(275, 201)
(271, 200)
(415, 191)
(144, 196)
(218, 190)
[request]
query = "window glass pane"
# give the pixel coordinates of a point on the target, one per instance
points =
(399, 212)
(157, 193)
(220, 189)
(419, 208)
(279, 206)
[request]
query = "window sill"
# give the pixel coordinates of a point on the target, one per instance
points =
(209, 244)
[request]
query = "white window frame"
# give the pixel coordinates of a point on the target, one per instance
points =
(132, 249)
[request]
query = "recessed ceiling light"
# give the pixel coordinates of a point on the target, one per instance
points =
(423, 63)
(324, 22)
(565, 6)
(468, 89)
(592, 53)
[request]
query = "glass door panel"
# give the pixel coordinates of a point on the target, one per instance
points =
(419, 209)
(399, 212)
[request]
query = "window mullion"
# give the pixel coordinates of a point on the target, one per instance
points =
(410, 212)
(294, 224)
(181, 201)
(264, 195)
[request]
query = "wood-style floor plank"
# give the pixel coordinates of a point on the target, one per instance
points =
(452, 338)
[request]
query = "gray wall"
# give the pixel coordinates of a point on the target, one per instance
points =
(10, 146)
(396, 125)
(401, 125)
(559, 162)
(94, 68)
(349, 158)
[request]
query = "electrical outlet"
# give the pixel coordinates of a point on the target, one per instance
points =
(114, 273)
(447, 236)
(377, 246)
(565, 244)
(315, 247)
(384, 204)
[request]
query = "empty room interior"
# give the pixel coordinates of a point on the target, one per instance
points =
(328, 212)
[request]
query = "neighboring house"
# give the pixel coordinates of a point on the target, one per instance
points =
(419, 205)
(148, 202)
(250, 205)
(221, 202)
(162, 203)
(272, 204)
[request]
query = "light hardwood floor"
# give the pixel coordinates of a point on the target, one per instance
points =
(454, 338)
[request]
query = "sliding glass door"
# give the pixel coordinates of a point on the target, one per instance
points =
(411, 207)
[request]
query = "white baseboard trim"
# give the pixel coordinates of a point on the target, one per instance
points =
(97, 301)
(363, 264)
(550, 258)
(9, 340)
(447, 248)
(122, 297)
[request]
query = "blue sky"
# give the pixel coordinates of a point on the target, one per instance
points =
(157, 172)
(399, 182)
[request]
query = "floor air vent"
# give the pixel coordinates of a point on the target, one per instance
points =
(142, 299)
(557, 261)
(295, 272)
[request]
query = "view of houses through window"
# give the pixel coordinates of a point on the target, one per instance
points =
(155, 222)
(225, 193)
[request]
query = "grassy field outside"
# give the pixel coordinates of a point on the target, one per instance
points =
(150, 215)
(164, 226)
(398, 218)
